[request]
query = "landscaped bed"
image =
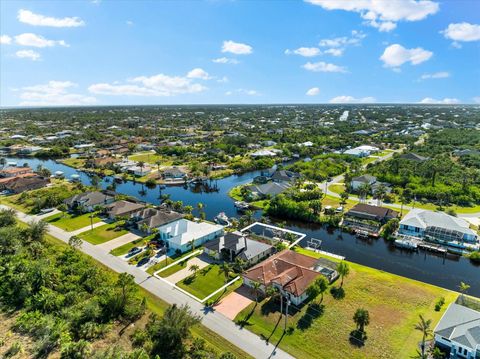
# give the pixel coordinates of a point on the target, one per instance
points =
(103, 233)
(140, 242)
(169, 260)
(207, 281)
(394, 304)
(71, 222)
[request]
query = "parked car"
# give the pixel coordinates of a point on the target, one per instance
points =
(5, 192)
(46, 210)
(143, 261)
(133, 251)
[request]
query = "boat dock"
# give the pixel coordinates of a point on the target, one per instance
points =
(413, 243)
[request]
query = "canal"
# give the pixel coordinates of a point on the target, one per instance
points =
(423, 266)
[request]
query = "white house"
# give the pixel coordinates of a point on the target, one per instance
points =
(139, 171)
(179, 234)
(458, 332)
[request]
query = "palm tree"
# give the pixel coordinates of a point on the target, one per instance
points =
(344, 197)
(194, 268)
(463, 287)
(3, 162)
(141, 164)
(380, 193)
(225, 268)
(361, 318)
(343, 270)
(322, 285)
(158, 163)
(424, 326)
(256, 291)
(191, 244)
(75, 242)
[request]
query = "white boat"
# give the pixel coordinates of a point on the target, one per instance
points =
(75, 178)
(242, 205)
(59, 174)
(11, 164)
(222, 219)
(405, 243)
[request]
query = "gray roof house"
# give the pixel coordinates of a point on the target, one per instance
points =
(154, 218)
(361, 180)
(284, 176)
(269, 189)
(122, 208)
(413, 157)
(88, 200)
(458, 332)
(237, 244)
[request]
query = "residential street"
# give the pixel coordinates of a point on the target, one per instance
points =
(242, 338)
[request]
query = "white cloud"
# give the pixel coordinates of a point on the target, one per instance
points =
(243, 92)
(129, 22)
(5, 40)
(225, 60)
(313, 91)
(334, 52)
(53, 93)
(28, 54)
(28, 17)
(355, 39)
(304, 51)
(435, 75)
(236, 48)
(476, 99)
(157, 85)
(323, 67)
(351, 99)
(462, 32)
(383, 14)
(396, 55)
(224, 79)
(445, 101)
(29, 39)
(198, 73)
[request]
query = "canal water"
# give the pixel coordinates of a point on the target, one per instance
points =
(423, 266)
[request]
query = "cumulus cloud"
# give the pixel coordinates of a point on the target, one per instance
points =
(198, 73)
(351, 99)
(463, 31)
(5, 40)
(53, 93)
(383, 15)
(243, 92)
(129, 22)
(28, 54)
(304, 51)
(323, 67)
(30, 18)
(445, 101)
(156, 85)
(334, 52)
(225, 60)
(396, 55)
(314, 91)
(435, 75)
(236, 48)
(476, 99)
(33, 40)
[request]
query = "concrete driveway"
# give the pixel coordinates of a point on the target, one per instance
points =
(120, 241)
(235, 302)
(201, 261)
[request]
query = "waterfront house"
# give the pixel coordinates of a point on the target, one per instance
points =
(26, 183)
(458, 332)
(364, 217)
(174, 173)
(87, 201)
(139, 171)
(237, 245)
(291, 273)
(122, 208)
(147, 219)
(269, 189)
(284, 176)
(15, 171)
(437, 226)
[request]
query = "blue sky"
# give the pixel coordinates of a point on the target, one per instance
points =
(57, 53)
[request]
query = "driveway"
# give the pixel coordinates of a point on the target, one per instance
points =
(120, 241)
(200, 261)
(235, 302)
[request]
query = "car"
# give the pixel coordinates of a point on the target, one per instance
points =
(143, 261)
(46, 210)
(133, 251)
(5, 192)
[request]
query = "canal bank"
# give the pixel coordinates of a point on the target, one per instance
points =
(423, 266)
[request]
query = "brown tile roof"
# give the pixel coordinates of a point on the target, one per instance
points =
(123, 207)
(292, 270)
(4, 181)
(379, 212)
(15, 170)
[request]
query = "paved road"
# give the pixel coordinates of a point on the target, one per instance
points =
(242, 338)
(325, 187)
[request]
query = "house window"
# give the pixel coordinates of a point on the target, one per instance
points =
(417, 229)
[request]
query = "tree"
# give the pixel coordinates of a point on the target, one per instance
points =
(316, 206)
(95, 181)
(3, 162)
(63, 208)
(191, 244)
(194, 268)
(225, 268)
(361, 319)
(37, 230)
(318, 287)
(380, 193)
(343, 270)
(344, 197)
(363, 191)
(7, 217)
(424, 327)
(75, 242)
(463, 287)
(256, 290)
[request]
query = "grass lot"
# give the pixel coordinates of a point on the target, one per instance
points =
(207, 281)
(151, 158)
(103, 233)
(237, 196)
(74, 162)
(71, 222)
(140, 242)
(158, 306)
(393, 302)
(164, 263)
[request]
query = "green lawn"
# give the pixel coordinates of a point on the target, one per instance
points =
(73, 162)
(71, 222)
(173, 269)
(394, 304)
(140, 242)
(151, 158)
(103, 233)
(208, 280)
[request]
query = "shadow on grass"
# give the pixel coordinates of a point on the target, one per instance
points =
(314, 311)
(337, 292)
(189, 280)
(357, 338)
(245, 321)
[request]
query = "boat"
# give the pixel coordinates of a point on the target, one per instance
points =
(75, 178)
(362, 234)
(406, 244)
(222, 219)
(242, 206)
(11, 164)
(118, 179)
(59, 174)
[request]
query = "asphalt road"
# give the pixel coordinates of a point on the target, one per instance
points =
(242, 338)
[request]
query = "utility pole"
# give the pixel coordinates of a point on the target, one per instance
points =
(286, 314)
